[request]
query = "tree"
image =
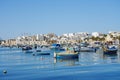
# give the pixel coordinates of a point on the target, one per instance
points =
(102, 39)
(105, 35)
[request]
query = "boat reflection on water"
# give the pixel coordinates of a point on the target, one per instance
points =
(66, 62)
(111, 58)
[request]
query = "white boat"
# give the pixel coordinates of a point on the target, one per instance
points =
(40, 52)
(87, 49)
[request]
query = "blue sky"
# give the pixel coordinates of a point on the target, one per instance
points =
(58, 16)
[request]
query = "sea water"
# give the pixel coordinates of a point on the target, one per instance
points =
(89, 66)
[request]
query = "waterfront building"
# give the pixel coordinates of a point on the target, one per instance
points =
(70, 38)
(97, 34)
(9, 42)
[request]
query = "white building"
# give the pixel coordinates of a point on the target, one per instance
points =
(114, 33)
(40, 37)
(65, 35)
(95, 34)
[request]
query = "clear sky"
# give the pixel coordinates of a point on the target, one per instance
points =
(58, 16)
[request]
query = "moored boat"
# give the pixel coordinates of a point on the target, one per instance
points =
(87, 49)
(110, 50)
(26, 48)
(56, 47)
(40, 52)
(66, 55)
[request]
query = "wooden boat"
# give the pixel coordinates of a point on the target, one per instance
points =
(110, 50)
(66, 55)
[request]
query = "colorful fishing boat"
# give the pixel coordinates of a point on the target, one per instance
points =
(66, 55)
(110, 50)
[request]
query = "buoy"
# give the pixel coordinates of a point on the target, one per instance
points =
(5, 71)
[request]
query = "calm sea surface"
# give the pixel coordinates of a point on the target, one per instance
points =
(89, 66)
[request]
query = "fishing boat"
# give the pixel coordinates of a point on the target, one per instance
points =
(110, 50)
(56, 47)
(87, 49)
(26, 48)
(66, 55)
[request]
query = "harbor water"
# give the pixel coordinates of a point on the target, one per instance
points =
(89, 66)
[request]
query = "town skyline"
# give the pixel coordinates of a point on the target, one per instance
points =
(29, 34)
(70, 38)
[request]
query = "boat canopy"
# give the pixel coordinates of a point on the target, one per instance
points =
(58, 45)
(84, 44)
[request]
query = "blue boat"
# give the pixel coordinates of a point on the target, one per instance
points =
(111, 50)
(56, 47)
(26, 48)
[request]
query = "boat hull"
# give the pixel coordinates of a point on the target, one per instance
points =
(41, 53)
(57, 49)
(67, 55)
(87, 49)
(26, 48)
(28, 51)
(110, 52)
